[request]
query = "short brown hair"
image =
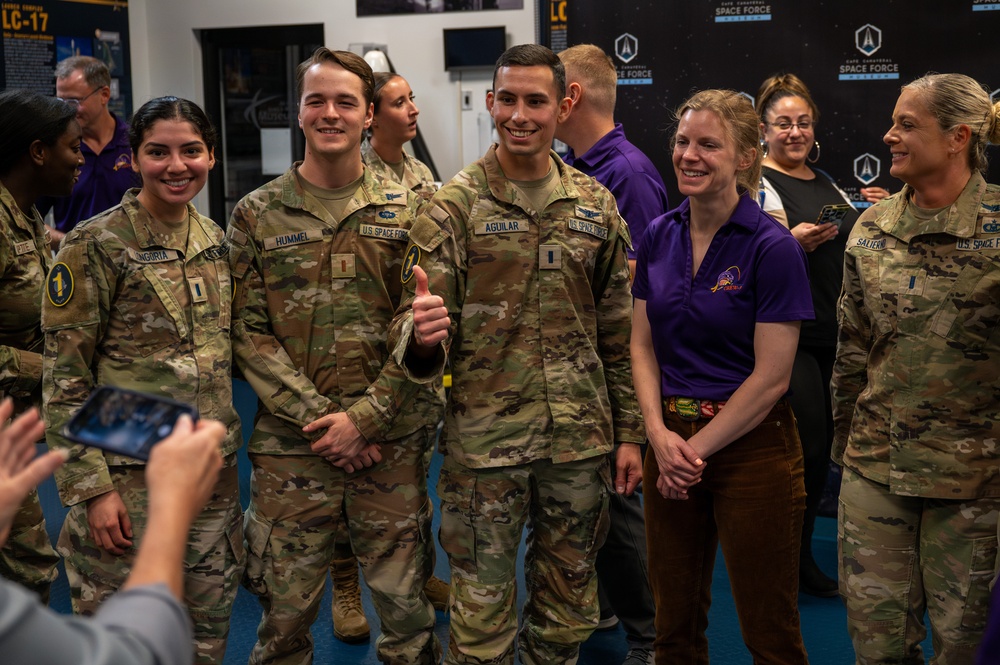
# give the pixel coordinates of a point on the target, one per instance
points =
(352, 62)
(591, 66)
(533, 55)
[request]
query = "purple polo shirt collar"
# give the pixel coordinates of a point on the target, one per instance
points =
(598, 160)
(745, 215)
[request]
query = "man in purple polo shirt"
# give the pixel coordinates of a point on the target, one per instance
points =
(106, 174)
(598, 148)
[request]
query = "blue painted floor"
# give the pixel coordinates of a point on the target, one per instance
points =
(823, 619)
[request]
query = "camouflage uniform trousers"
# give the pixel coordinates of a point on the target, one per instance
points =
(483, 513)
(27, 557)
(299, 504)
(213, 565)
(901, 555)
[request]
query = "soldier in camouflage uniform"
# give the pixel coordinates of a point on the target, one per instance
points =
(27, 556)
(527, 259)
(394, 123)
(340, 433)
(916, 387)
(140, 297)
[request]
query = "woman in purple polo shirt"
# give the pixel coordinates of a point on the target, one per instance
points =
(720, 291)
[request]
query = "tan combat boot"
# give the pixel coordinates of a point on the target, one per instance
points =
(349, 622)
(437, 591)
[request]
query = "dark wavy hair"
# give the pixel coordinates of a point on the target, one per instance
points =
(170, 108)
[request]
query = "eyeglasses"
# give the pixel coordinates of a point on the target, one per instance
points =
(72, 101)
(784, 125)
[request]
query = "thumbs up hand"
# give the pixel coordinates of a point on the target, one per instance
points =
(430, 316)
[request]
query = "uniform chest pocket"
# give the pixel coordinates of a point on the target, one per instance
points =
(299, 263)
(881, 304)
(150, 310)
(970, 312)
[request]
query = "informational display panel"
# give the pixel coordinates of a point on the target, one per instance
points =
(853, 54)
(37, 35)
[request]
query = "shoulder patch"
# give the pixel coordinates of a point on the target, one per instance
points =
(411, 259)
(59, 287)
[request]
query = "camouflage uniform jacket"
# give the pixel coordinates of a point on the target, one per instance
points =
(314, 299)
(416, 176)
(541, 317)
(24, 262)
(917, 376)
(135, 314)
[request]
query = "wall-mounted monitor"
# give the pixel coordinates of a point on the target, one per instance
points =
(473, 48)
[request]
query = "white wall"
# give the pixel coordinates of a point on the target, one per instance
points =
(166, 55)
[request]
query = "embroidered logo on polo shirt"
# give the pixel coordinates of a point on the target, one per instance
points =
(123, 161)
(729, 280)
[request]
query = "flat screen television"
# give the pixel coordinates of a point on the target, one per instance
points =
(473, 48)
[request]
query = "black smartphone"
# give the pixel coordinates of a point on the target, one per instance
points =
(125, 422)
(834, 214)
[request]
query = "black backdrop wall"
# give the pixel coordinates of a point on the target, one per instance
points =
(853, 54)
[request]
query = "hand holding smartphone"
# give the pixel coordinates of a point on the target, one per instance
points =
(125, 422)
(834, 214)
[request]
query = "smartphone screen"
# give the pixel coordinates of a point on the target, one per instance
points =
(834, 214)
(125, 422)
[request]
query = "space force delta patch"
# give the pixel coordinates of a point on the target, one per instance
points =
(59, 287)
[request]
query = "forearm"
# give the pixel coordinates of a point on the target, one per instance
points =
(748, 406)
(161, 553)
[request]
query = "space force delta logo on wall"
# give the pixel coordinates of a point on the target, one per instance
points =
(739, 11)
(632, 73)
(868, 41)
(867, 168)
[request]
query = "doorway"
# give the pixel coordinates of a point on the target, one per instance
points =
(249, 76)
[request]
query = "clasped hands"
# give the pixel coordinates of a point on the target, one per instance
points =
(680, 466)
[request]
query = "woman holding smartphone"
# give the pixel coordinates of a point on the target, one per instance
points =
(140, 298)
(795, 193)
(39, 156)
